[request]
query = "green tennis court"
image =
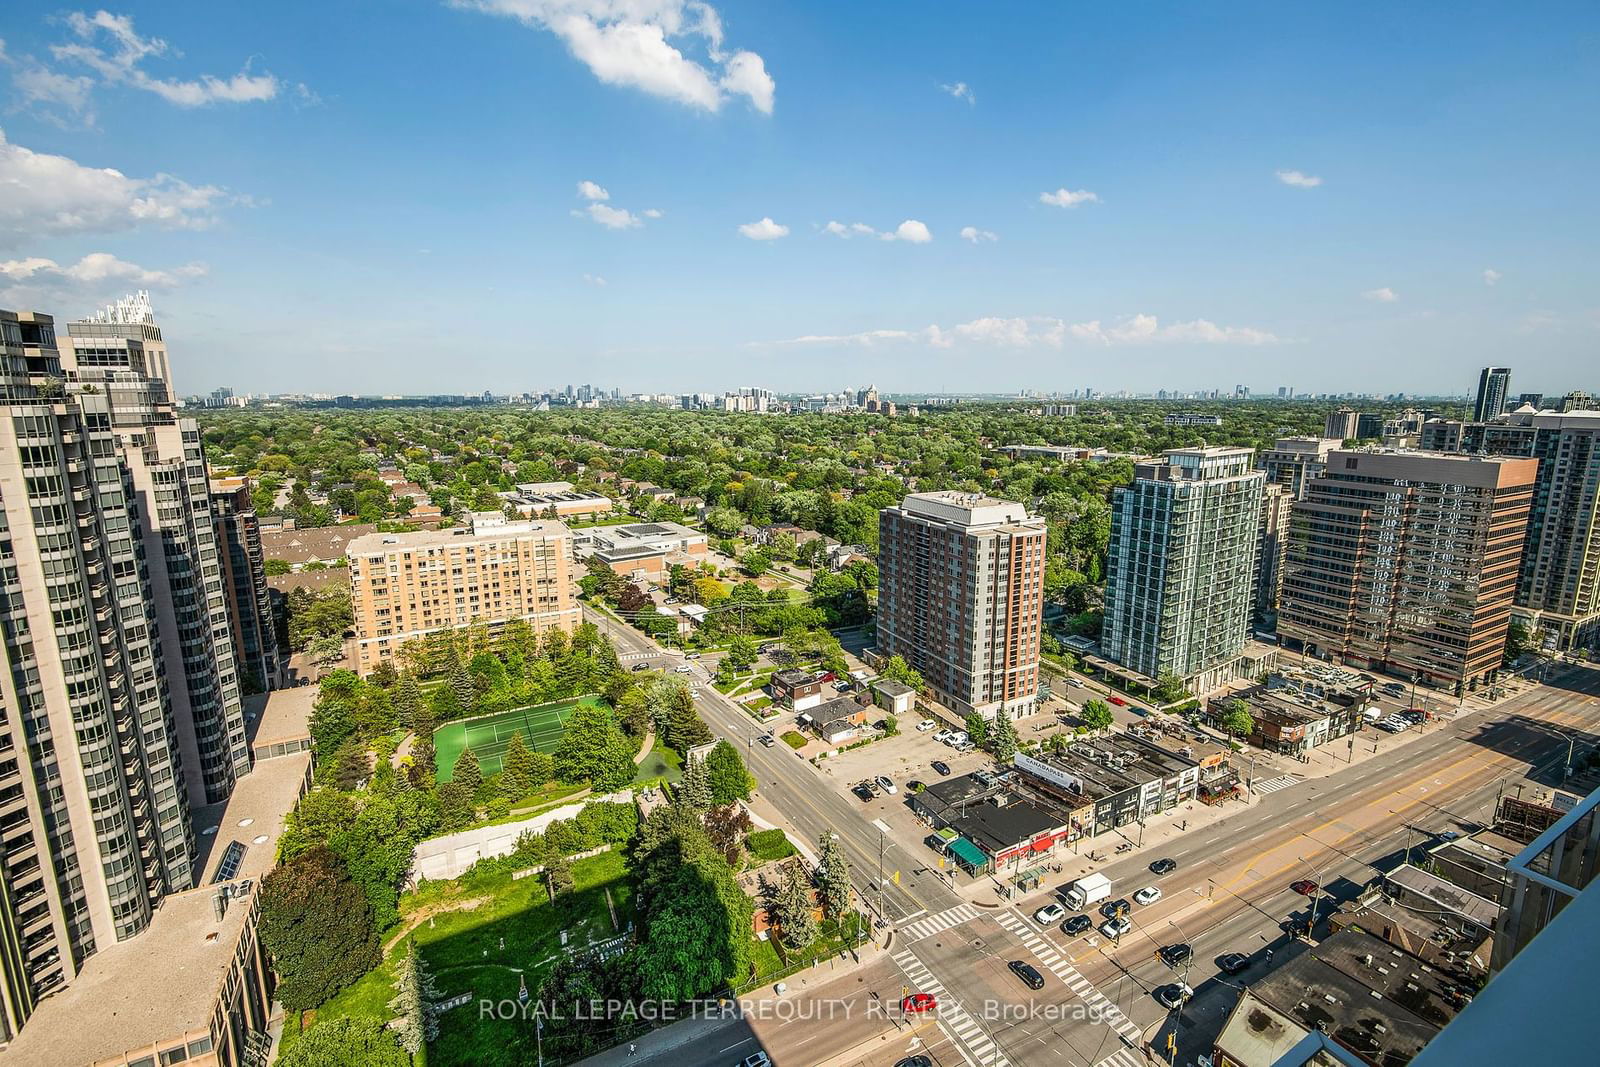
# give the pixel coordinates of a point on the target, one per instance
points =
(488, 735)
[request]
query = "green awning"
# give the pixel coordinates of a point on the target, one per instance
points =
(968, 853)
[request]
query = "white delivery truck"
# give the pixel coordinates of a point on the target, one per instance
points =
(1090, 889)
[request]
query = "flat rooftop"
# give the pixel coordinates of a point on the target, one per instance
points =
(164, 983)
(281, 715)
(964, 509)
(380, 543)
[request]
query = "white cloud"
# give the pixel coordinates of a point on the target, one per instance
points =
(591, 191)
(977, 236)
(1068, 198)
(765, 230)
(1385, 295)
(94, 268)
(595, 280)
(1491, 276)
(961, 91)
(640, 44)
(612, 218)
(1050, 332)
(112, 51)
(910, 230)
(47, 195)
(652, 213)
(1299, 179)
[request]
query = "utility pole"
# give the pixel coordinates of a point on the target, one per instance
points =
(880, 875)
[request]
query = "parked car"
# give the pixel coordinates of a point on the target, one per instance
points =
(1115, 928)
(914, 786)
(1076, 925)
(1233, 962)
(886, 783)
(841, 686)
(1118, 701)
(1049, 915)
(965, 746)
(1305, 887)
(917, 1003)
(925, 725)
(1163, 866)
(944, 736)
(862, 790)
(957, 737)
(1176, 956)
(1448, 835)
(940, 766)
(1148, 895)
(759, 1059)
(1028, 973)
(1112, 908)
(914, 1061)
(1173, 996)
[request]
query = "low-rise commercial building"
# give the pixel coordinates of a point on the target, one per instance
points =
(799, 689)
(556, 500)
(642, 551)
(1119, 779)
(1366, 996)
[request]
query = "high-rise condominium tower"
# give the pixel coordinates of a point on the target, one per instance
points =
(961, 597)
(119, 709)
(244, 582)
(1181, 568)
(1407, 562)
(1494, 389)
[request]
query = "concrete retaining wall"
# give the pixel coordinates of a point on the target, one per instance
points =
(440, 858)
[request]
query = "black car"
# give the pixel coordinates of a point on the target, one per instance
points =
(1176, 956)
(1077, 924)
(1163, 866)
(641, 667)
(914, 1061)
(941, 766)
(1233, 962)
(1027, 973)
(862, 790)
(1112, 908)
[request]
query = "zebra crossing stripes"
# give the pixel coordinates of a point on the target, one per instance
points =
(939, 923)
(1272, 785)
(1123, 1057)
(1099, 1006)
(636, 655)
(953, 1018)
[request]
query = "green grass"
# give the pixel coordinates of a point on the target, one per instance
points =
(488, 735)
(794, 739)
(769, 845)
(463, 949)
(660, 762)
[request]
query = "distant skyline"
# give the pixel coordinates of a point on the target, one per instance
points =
(460, 195)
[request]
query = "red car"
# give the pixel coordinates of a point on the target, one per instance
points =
(1119, 702)
(917, 1003)
(1305, 887)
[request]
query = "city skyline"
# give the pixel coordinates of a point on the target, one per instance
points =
(1327, 196)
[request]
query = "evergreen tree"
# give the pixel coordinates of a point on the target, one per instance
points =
(466, 772)
(408, 701)
(414, 1001)
(694, 789)
(465, 690)
(516, 768)
(797, 923)
(1002, 740)
(833, 877)
(424, 765)
(558, 871)
(726, 772)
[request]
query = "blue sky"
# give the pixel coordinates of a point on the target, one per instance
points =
(388, 197)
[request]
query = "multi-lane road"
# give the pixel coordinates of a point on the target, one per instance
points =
(1230, 894)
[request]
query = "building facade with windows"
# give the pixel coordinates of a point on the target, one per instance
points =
(1407, 562)
(406, 586)
(244, 582)
(1181, 565)
(961, 598)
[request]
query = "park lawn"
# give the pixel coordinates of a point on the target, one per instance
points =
(768, 845)
(660, 762)
(463, 948)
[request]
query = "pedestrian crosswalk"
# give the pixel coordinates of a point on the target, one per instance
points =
(636, 655)
(953, 1018)
(1123, 1057)
(1099, 1007)
(939, 923)
(1272, 785)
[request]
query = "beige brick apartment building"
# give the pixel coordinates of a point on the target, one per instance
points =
(403, 586)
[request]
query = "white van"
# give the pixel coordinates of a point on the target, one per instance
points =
(957, 738)
(1372, 714)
